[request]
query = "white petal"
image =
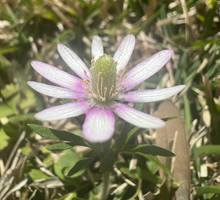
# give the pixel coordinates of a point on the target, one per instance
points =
(97, 47)
(73, 61)
(137, 117)
(64, 111)
(124, 51)
(146, 69)
(151, 95)
(54, 91)
(58, 76)
(99, 125)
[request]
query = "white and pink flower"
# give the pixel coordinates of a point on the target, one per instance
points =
(100, 91)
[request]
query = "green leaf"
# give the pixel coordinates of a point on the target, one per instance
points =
(207, 149)
(9, 90)
(7, 50)
(69, 196)
(28, 101)
(26, 150)
(209, 189)
(158, 163)
(187, 112)
(4, 62)
(19, 118)
(37, 174)
(133, 174)
(58, 135)
(67, 160)
(150, 149)
(6, 110)
(81, 164)
(4, 139)
(58, 146)
(132, 132)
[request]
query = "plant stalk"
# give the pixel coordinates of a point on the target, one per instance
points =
(106, 182)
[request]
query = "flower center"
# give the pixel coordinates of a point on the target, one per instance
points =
(104, 80)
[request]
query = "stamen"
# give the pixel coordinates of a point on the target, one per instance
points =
(95, 95)
(105, 91)
(93, 61)
(88, 90)
(97, 89)
(104, 79)
(121, 72)
(85, 73)
(98, 84)
(111, 90)
(115, 93)
(124, 77)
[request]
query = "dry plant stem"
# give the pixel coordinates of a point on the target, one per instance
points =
(106, 182)
(187, 21)
(14, 149)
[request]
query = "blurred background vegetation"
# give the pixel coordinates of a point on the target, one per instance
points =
(31, 29)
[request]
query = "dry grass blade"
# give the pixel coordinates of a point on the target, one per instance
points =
(13, 166)
(21, 138)
(16, 188)
(52, 182)
(174, 138)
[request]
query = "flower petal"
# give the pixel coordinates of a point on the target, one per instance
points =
(64, 111)
(58, 76)
(99, 125)
(146, 69)
(137, 117)
(97, 47)
(73, 61)
(151, 95)
(54, 91)
(124, 51)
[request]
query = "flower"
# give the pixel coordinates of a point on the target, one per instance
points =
(101, 91)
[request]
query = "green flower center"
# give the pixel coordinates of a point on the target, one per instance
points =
(104, 80)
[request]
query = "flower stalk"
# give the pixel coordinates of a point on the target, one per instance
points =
(106, 185)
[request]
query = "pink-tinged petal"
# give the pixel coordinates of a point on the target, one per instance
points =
(146, 69)
(58, 76)
(124, 51)
(99, 125)
(64, 111)
(151, 95)
(97, 47)
(54, 91)
(137, 117)
(73, 61)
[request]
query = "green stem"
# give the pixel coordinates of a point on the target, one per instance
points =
(106, 182)
(137, 191)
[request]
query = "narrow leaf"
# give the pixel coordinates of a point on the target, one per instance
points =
(66, 161)
(131, 133)
(58, 135)
(187, 112)
(23, 117)
(151, 149)
(158, 163)
(5, 110)
(209, 189)
(58, 146)
(208, 149)
(81, 164)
